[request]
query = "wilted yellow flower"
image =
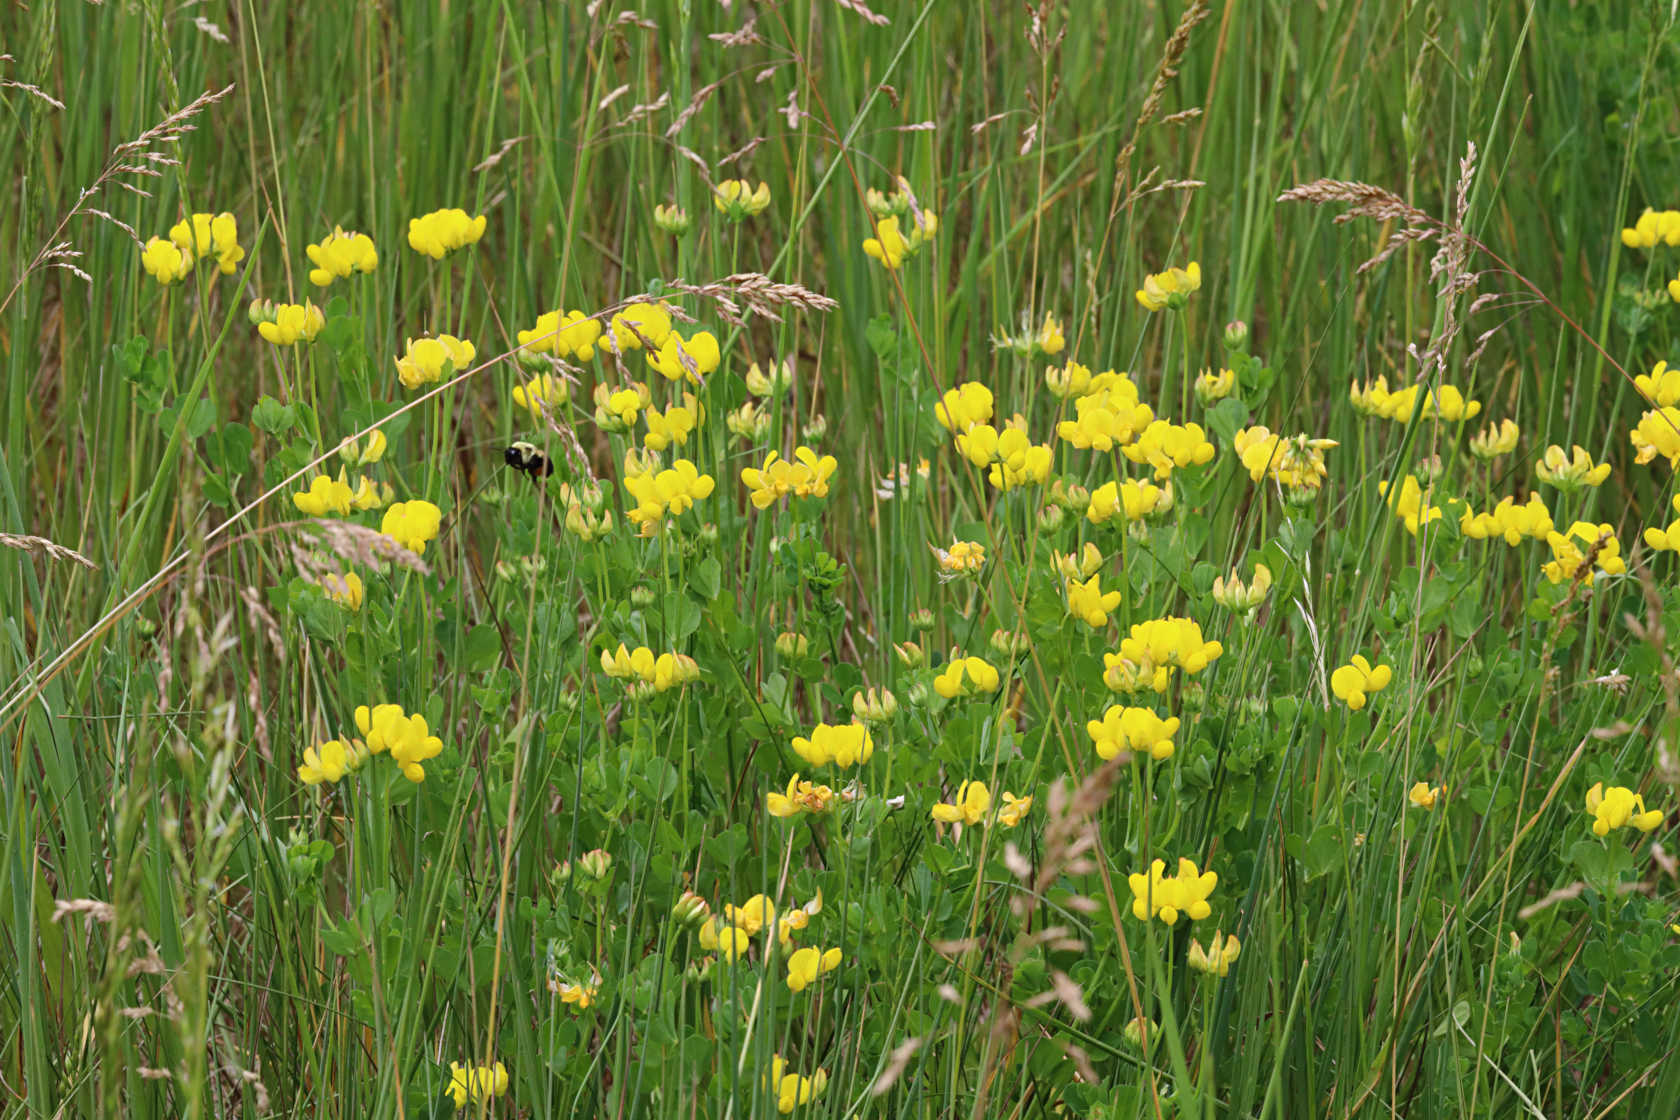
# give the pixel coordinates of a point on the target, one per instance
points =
(1170, 289)
(443, 231)
(1570, 471)
(428, 360)
(208, 235)
(1071, 380)
(1617, 807)
(735, 199)
(966, 676)
(387, 729)
(1122, 674)
(544, 393)
(330, 761)
(1353, 682)
(1422, 796)
(1569, 558)
(1216, 959)
(1410, 504)
(1495, 440)
(412, 524)
(292, 323)
(1032, 342)
(1156, 896)
(476, 1083)
(1371, 399)
(339, 254)
(1652, 227)
(1137, 730)
(1014, 810)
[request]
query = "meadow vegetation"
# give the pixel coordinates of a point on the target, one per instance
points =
(748, 559)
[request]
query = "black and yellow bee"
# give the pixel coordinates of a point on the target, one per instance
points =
(528, 457)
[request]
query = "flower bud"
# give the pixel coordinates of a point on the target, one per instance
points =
(1236, 335)
(921, 620)
(772, 382)
(1050, 518)
(814, 429)
(641, 596)
(691, 910)
(596, 864)
(917, 694)
(874, 705)
(1008, 643)
(910, 655)
(789, 644)
(672, 219)
(262, 311)
(1133, 1032)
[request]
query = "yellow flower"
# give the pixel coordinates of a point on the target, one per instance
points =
(339, 254)
(1617, 807)
(1216, 959)
(412, 524)
(692, 358)
(888, 246)
(165, 260)
(752, 915)
(1495, 440)
(432, 359)
(1666, 540)
(963, 558)
(1569, 561)
(330, 761)
(1071, 380)
(735, 199)
(1132, 499)
(966, 676)
(1014, 810)
(1122, 674)
(801, 797)
(345, 590)
(1447, 403)
(476, 1084)
(1422, 796)
(1509, 521)
(545, 392)
(1570, 471)
(846, 744)
(793, 1090)
(1050, 339)
(627, 663)
(668, 492)
(806, 477)
(639, 325)
(671, 427)
(579, 996)
(1174, 642)
(1088, 602)
(1211, 387)
(672, 219)
(727, 940)
(293, 322)
(1086, 563)
(572, 335)
(805, 965)
(963, 407)
(1032, 342)
(1137, 730)
(1658, 433)
(385, 728)
(210, 235)
(1411, 504)
(969, 807)
(1653, 226)
(1106, 420)
(443, 231)
(1357, 679)
(1166, 446)
(1234, 595)
(1296, 463)
(1370, 399)
(1019, 461)
(1156, 896)
(324, 496)
(1170, 289)
(1660, 387)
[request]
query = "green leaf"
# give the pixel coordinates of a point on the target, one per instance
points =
(272, 416)
(483, 648)
(707, 578)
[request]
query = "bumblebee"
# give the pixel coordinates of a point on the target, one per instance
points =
(528, 457)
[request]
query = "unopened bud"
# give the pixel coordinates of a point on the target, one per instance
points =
(789, 644)
(910, 655)
(875, 705)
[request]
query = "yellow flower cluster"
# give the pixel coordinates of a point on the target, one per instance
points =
(805, 965)
(1169, 642)
(1508, 520)
(345, 589)
(1170, 289)
(1495, 440)
(1660, 387)
(800, 797)
(569, 335)
(1657, 434)
(1446, 403)
(963, 407)
(846, 744)
(1107, 414)
(292, 323)
(666, 492)
(805, 477)
(1216, 959)
(1618, 807)
(1569, 471)
(891, 246)
(1136, 730)
(545, 392)
(1238, 597)
(1296, 464)
(443, 231)
(1666, 540)
(1011, 458)
(966, 676)
(791, 1089)
(428, 360)
(1156, 896)
(206, 235)
(1570, 561)
(474, 1084)
(673, 426)
(1356, 680)
(412, 524)
(690, 359)
(1410, 503)
(963, 558)
(165, 261)
(640, 323)
(330, 761)
(1652, 227)
(1166, 446)
(1089, 603)
(736, 199)
(339, 254)
(1030, 341)
(386, 728)
(973, 804)
(663, 672)
(1214, 386)
(1133, 499)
